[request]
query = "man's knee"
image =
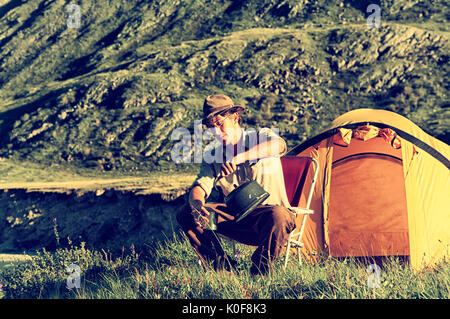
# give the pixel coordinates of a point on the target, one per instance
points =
(283, 218)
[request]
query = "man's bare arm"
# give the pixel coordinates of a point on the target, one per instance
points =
(273, 147)
(197, 199)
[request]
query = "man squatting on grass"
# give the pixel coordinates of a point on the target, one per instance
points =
(268, 225)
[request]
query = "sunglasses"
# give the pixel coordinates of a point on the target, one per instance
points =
(214, 122)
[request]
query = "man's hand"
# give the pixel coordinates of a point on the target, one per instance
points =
(228, 168)
(199, 212)
(197, 204)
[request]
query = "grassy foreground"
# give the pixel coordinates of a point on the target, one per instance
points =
(170, 270)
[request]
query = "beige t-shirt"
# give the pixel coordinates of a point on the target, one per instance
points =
(267, 172)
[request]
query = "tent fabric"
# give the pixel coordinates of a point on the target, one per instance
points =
(383, 119)
(365, 133)
(368, 232)
(387, 195)
(427, 186)
(313, 235)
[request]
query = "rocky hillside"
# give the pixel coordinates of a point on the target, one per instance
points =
(108, 92)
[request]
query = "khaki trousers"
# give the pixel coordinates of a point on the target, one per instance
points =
(267, 227)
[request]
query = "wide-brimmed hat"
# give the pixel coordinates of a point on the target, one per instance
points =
(216, 104)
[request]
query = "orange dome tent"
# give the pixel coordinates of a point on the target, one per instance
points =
(382, 189)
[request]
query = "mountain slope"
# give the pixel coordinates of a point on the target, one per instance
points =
(109, 94)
